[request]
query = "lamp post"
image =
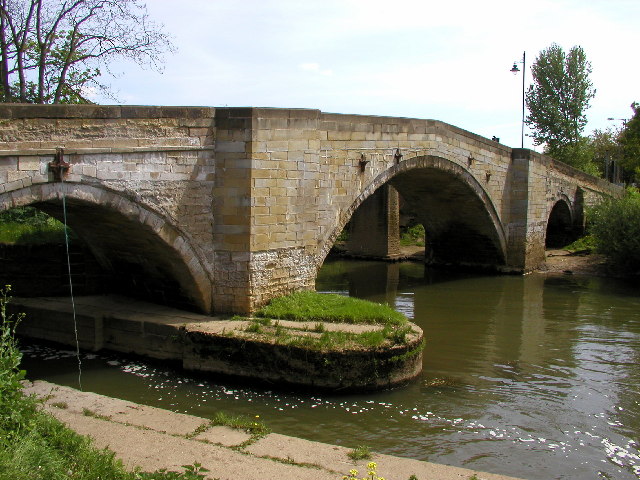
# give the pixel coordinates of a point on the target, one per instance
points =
(515, 70)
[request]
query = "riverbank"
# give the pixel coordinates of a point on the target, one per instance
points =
(152, 439)
(578, 263)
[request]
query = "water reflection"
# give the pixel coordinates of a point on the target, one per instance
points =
(532, 376)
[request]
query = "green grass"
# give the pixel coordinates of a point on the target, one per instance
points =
(240, 422)
(583, 244)
(316, 307)
(15, 233)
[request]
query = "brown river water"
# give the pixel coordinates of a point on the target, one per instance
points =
(534, 376)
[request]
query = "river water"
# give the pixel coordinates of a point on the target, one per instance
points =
(532, 376)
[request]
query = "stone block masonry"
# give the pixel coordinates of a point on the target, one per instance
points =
(221, 209)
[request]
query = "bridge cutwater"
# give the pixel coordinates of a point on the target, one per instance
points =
(226, 208)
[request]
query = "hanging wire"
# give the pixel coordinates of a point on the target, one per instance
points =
(73, 304)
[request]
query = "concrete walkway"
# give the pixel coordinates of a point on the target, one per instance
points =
(152, 438)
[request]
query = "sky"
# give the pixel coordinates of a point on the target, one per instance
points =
(443, 60)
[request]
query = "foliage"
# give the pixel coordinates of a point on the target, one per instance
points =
(30, 226)
(312, 306)
(629, 141)
(615, 226)
(361, 452)
(583, 244)
(580, 155)
(557, 101)
(26, 215)
(53, 51)
(11, 404)
(414, 235)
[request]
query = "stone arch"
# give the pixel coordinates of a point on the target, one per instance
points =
(418, 178)
(560, 223)
(129, 239)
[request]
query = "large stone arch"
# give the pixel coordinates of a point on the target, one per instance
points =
(560, 229)
(480, 217)
(123, 234)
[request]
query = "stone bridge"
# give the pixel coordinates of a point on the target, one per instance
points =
(225, 208)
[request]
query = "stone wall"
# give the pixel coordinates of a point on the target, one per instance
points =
(229, 207)
(136, 174)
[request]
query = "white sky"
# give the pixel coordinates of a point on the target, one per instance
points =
(443, 60)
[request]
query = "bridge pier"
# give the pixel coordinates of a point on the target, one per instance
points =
(530, 204)
(374, 229)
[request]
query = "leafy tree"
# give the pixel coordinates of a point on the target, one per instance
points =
(53, 51)
(629, 141)
(557, 101)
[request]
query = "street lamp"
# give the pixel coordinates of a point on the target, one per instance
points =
(515, 70)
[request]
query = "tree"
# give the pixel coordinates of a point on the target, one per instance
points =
(52, 51)
(629, 141)
(557, 101)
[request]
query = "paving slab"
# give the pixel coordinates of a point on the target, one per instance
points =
(221, 435)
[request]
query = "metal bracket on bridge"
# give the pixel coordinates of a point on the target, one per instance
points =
(363, 162)
(59, 167)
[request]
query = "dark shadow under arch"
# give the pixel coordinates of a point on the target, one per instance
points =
(461, 222)
(560, 229)
(144, 255)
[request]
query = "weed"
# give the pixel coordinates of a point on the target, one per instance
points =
(361, 452)
(254, 327)
(60, 405)
(240, 422)
(90, 413)
(319, 328)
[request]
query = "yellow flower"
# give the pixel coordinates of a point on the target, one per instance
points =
(353, 472)
(372, 466)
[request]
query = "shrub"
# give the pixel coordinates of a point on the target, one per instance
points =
(615, 225)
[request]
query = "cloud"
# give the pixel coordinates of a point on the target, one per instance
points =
(315, 68)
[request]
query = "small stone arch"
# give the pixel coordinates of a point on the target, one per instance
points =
(122, 232)
(560, 229)
(400, 174)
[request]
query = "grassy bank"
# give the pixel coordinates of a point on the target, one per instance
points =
(36, 446)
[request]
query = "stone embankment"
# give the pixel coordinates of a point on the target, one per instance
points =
(151, 438)
(222, 346)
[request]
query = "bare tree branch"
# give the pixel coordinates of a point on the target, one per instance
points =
(53, 50)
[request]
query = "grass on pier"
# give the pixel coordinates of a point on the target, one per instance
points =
(323, 307)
